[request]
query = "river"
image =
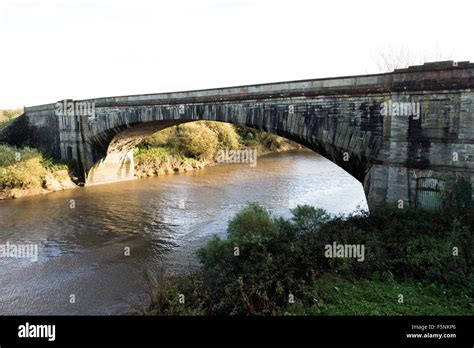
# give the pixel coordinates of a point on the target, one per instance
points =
(83, 234)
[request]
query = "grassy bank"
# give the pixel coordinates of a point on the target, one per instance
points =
(8, 115)
(415, 263)
(27, 171)
(194, 145)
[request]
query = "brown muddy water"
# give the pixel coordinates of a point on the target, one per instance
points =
(163, 220)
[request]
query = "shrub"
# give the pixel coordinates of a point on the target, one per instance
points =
(164, 294)
(265, 259)
(227, 135)
(463, 194)
(278, 256)
(263, 141)
(162, 138)
(151, 155)
(198, 141)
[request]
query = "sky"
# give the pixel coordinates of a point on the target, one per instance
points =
(52, 50)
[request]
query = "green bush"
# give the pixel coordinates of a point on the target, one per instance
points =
(463, 194)
(263, 141)
(198, 141)
(227, 135)
(164, 137)
(409, 244)
(149, 155)
(165, 294)
(202, 139)
(265, 259)
(278, 256)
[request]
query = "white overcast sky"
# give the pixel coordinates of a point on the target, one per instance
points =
(51, 50)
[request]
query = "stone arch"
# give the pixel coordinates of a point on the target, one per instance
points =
(111, 149)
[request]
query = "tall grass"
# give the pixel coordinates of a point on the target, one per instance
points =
(8, 115)
(25, 167)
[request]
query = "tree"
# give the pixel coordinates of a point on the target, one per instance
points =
(390, 59)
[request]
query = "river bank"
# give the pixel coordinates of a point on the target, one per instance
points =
(266, 265)
(28, 172)
(163, 220)
(52, 182)
(158, 161)
(194, 146)
(60, 180)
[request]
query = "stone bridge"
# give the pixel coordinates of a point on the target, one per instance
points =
(391, 131)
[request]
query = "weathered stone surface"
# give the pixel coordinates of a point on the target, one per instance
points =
(340, 118)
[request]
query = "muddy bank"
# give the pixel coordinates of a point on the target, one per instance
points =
(173, 166)
(52, 182)
(60, 180)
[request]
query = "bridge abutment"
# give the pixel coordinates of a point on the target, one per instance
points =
(117, 166)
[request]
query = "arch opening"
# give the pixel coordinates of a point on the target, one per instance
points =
(113, 150)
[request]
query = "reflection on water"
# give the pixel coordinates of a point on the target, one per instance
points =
(162, 220)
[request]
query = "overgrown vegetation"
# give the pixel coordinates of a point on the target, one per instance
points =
(425, 257)
(28, 168)
(9, 114)
(193, 145)
(176, 149)
(262, 141)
